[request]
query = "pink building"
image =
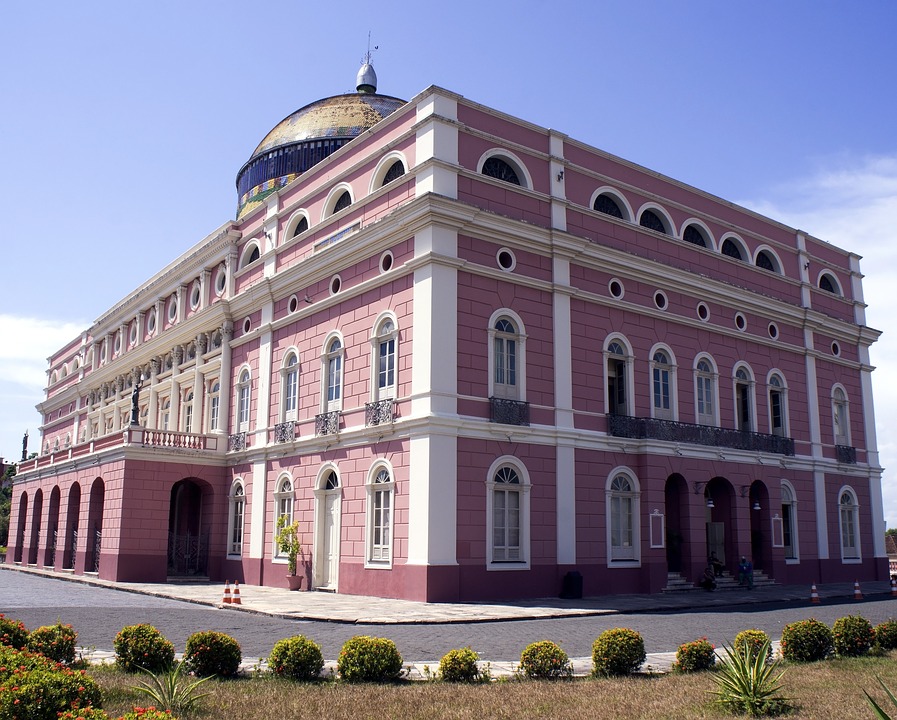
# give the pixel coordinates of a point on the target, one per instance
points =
(469, 355)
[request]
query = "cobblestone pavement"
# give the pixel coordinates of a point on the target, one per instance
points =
(423, 632)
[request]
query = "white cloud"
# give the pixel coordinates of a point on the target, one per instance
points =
(852, 203)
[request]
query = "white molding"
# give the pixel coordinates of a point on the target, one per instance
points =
(433, 500)
(258, 505)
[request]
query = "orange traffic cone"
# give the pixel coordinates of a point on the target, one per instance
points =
(235, 600)
(857, 593)
(227, 600)
(814, 596)
(893, 587)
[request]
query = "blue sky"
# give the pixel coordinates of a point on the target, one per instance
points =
(123, 126)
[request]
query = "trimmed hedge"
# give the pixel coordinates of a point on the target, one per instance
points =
(757, 639)
(620, 651)
(886, 634)
(56, 642)
(296, 658)
(209, 652)
(544, 660)
(852, 636)
(142, 647)
(695, 656)
(459, 666)
(369, 659)
(13, 633)
(806, 641)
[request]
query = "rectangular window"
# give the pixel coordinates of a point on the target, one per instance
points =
(506, 526)
(380, 526)
(213, 413)
(334, 386)
(290, 388)
(236, 540)
(387, 365)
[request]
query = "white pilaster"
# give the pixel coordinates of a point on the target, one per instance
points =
(437, 139)
(263, 403)
(812, 398)
(821, 520)
(433, 500)
(566, 504)
(259, 505)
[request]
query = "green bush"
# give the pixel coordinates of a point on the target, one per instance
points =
(852, 636)
(755, 638)
(37, 688)
(369, 659)
(148, 713)
(459, 666)
(56, 642)
(88, 714)
(617, 652)
(13, 633)
(886, 634)
(544, 660)
(695, 656)
(212, 653)
(296, 658)
(142, 647)
(806, 641)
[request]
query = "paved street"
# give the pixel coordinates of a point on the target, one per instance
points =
(98, 613)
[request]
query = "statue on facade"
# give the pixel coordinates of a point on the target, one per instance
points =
(135, 401)
(25, 446)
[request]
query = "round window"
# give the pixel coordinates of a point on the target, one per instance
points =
(773, 331)
(660, 300)
(195, 296)
(506, 259)
(293, 305)
(616, 288)
(220, 279)
(836, 349)
(740, 321)
(335, 284)
(247, 325)
(703, 312)
(151, 322)
(172, 308)
(386, 261)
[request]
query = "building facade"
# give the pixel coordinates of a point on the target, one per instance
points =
(469, 355)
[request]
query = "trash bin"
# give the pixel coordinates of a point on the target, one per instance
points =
(571, 586)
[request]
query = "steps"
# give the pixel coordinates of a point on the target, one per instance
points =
(677, 583)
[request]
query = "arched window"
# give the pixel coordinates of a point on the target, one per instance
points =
(695, 236)
(849, 513)
(500, 169)
(385, 339)
(506, 348)
(214, 404)
(617, 367)
(237, 506)
(789, 522)
(744, 400)
(396, 170)
(301, 226)
(765, 261)
(165, 414)
(829, 284)
(663, 385)
(290, 385)
(333, 375)
(188, 411)
(283, 508)
(244, 391)
(507, 515)
(840, 417)
(731, 249)
(250, 255)
(622, 504)
(380, 514)
(705, 392)
(344, 201)
(778, 407)
(652, 221)
(604, 203)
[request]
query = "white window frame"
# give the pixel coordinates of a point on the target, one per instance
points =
(840, 416)
(289, 385)
(517, 389)
(619, 555)
(849, 526)
(658, 370)
(743, 377)
(333, 373)
(384, 380)
(522, 488)
(629, 377)
(381, 514)
(284, 502)
(776, 385)
(236, 518)
(706, 380)
(187, 404)
(243, 405)
(165, 412)
(789, 517)
(214, 400)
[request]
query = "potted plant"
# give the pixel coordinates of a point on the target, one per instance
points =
(288, 543)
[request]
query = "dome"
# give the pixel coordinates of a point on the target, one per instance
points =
(309, 135)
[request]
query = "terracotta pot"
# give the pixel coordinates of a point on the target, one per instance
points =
(294, 581)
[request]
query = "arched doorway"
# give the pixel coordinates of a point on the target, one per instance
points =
(719, 504)
(675, 494)
(328, 519)
(95, 509)
(761, 540)
(52, 528)
(20, 527)
(188, 533)
(36, 512)
(72, 513)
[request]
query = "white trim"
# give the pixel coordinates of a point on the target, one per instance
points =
(673, 368)
(855, 510)
(376, 339)
(839, 291)
(336, 192)
(328, 405)
(661, 213)
(779, 268)
(705, 231)
(786, 410)
(519, 167)
(371, 490)
(285, 371)
(795, 522)
(635, 519)
(520, 355)
(383, 166)
(629, 388)
(280, 495)
(844, 439)
(714, 388)
(231, 503)
(617, 196)
(524, 488)
(752, 399)
(321, 493)
(295, 219)
(739, 243)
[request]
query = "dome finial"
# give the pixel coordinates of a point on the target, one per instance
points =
(366, 80)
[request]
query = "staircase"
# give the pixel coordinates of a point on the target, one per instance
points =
(677, 583)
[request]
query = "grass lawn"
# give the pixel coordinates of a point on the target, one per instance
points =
(827, 690)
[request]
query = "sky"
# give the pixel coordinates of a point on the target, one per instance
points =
(123, 125)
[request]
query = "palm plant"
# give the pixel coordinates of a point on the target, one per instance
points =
(747, 682)
(880, 714)
(171, 690)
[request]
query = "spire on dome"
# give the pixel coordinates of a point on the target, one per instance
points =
(366, 80)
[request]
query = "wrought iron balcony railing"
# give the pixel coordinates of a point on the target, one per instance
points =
(285, 431)
(641, 428)
(378, 413)
(508, 412)
(236, 442)
(327, 423)
(846, 454)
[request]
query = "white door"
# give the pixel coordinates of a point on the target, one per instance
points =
(330, 550)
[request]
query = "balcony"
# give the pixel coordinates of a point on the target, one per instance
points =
(846, 454)
(642, 428)
(327, 423)
(285, 432)
(236, 442)
(508, 412)
(378, 413)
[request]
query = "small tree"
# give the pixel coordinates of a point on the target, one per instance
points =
(288, 542)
